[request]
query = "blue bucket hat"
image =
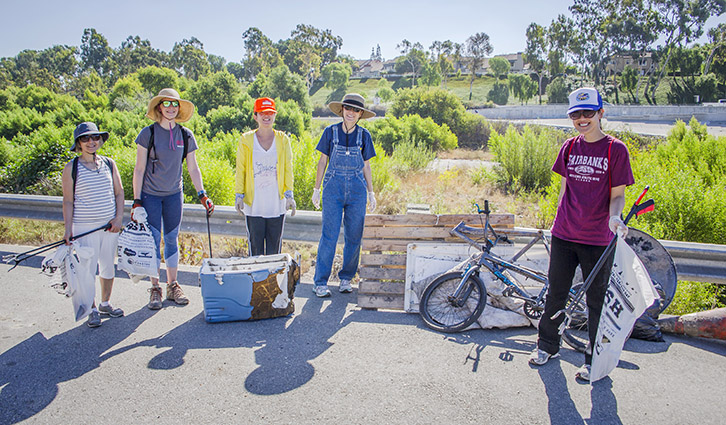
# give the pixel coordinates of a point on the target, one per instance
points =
(86, 129)
(585, 98)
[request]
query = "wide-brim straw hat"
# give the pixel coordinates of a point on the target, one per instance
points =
(351, 99)
(87, 129)
(186, 108)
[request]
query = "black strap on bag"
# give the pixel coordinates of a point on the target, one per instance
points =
(185, 136)
(74, 169)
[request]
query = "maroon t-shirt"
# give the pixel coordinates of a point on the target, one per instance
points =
(583, 214)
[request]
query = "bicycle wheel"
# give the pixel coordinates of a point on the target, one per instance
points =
(442, 312)
(576, 335)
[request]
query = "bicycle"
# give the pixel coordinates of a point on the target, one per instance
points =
(455, 300)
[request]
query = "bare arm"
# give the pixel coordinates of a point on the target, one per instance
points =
(139, 169)
(67, 183)
(322, 164)
(368, 175)
(617, 200)
(118, 192)
(194, 172)
(563, 185)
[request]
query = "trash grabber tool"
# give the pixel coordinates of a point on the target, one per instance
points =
(636, 209)
(18, 258)
(209, 236)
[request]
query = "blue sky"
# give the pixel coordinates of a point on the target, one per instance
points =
(38, 24)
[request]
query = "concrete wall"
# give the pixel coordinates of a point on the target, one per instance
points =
(703, 113)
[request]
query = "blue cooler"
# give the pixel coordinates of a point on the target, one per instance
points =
(248, 288)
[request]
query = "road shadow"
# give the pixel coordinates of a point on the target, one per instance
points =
(31, 371)
(284, 346)
(714, 346)
(604, 404)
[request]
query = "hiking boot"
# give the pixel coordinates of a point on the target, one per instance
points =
(155, 298)
(540, 357)
(94, 319)
(110, 311)
(175, 293)
(321, 291)
(583, 373)
(345, 286)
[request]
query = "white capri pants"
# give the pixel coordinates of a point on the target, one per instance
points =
(104, 245)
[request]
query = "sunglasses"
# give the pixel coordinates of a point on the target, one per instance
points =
(587, 113)
(86, 138)
(168, 103)
(351, 108)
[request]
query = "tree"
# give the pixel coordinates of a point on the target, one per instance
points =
(261, 55)
(336, 76)
(629, 81)
(499, 67)
(216, 63)
(478, 47)
(442, 53)
(190, 59)
(430, 74)
(95, 52)
(535, 53)
(499, 93)
(236, 69)
(213, 91)
(413, 57)
(308, 50)
(522, 87)
(717, 36)
(153, 79)
(136, 53)
(558, 90)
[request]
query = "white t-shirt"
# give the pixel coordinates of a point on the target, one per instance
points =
(267, 202)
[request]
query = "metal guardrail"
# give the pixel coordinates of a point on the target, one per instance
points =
(694, 261)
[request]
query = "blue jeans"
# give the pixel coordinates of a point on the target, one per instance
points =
(165, 212)
(344, 199)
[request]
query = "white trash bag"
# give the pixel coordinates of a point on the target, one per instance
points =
(71, 269)
(137, 251)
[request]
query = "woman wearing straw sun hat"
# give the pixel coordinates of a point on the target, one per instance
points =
(264, 180)
(161, 149)
(345, 173)
(93, 196)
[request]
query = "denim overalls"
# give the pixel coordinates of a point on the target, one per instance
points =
(344, 198)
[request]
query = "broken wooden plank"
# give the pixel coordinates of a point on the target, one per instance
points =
(383, 260)
(376, 287)
(380, 273)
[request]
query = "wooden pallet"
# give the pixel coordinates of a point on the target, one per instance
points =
(385, 240)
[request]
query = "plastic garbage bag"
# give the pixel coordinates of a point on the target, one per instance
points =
(137, 251)
(71, 269)
(647, 327)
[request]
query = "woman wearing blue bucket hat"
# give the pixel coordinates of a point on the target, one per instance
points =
(92, 197)
(594, 169)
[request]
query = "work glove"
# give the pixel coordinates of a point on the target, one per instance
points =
(138, 213)
(290, 203)
(239, 203)
(206, 202)
(618, 227)
(316, 198)
(372, 201)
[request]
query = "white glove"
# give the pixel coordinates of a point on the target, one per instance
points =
(316, 198)
(290, 203)
(618, 227)
(139, 214)
(239, 203)
(372, 201)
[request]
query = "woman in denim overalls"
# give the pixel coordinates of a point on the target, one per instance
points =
(345, 150)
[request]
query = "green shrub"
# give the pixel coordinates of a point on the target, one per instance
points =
(390, 131)
(227, 118)
(304, 164)
(442, 106)
(410, 155)
(526, 158)
(473, 132)
(694, 296)
(290, 118)
(218, 177)
(499, 93)
(382, 172)
(558, 90)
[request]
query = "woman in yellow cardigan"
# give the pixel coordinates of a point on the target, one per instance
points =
(264, 180)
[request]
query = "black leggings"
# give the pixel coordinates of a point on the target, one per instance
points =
(265, 234)
(564, 259)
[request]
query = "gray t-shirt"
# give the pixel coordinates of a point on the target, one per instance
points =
(163, 175)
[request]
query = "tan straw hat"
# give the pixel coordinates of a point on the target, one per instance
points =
(186, 108)
(351, 99)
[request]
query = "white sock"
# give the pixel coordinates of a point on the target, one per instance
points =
(105, 303)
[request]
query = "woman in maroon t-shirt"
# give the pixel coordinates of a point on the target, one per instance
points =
(595, 169)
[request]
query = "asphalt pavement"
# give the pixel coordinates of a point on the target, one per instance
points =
(329, 362)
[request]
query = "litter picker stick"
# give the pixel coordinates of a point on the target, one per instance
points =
(17, 258)
(209, 236)
(636, 209)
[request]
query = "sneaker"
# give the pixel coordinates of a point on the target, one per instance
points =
(583, 373)
(345, 286)
(155, 298)
(175, 293)
(110, 311)
(94, 319)
(321, 291)
(540, 357)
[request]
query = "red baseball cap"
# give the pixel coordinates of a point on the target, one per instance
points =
(264, 104)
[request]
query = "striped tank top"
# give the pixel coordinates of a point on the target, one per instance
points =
(94, 201)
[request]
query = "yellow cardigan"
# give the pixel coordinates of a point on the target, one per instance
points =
(245, 170)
